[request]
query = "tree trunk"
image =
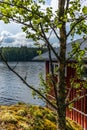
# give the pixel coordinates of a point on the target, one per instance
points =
(61, 87)
(61, 90)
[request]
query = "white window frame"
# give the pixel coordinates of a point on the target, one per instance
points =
(83, 76)
(55, 65)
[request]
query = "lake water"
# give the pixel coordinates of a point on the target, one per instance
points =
(13, 90)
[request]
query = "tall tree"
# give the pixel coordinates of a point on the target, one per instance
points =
(39, 24)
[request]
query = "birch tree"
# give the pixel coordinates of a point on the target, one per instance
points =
(39, 24)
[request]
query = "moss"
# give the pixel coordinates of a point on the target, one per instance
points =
(24, 125)
(28, 117)
(22, 112)
(50, 125)
(8, 117)
(72, 125)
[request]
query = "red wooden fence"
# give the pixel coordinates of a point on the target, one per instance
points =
(78, 111)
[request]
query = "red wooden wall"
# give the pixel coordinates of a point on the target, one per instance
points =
(78, 112)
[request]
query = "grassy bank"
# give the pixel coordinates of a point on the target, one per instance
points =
(27, 117)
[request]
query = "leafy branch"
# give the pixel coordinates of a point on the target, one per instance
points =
(79, 20)
(76, 50)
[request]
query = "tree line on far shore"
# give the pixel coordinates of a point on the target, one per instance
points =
(21, 54)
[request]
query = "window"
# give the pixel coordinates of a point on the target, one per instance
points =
(55, 67)
(84, 74)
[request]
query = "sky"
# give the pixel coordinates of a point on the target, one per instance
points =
(12, 35)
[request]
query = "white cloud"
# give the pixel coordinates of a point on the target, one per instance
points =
(15, 40)
(11, 27)
(5, 34)
(1, 39)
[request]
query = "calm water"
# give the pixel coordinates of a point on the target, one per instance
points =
(12, 89)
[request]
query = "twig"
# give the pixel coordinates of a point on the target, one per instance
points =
(67, 4)
(53, 78)
(67, 97)
(76, 99)
(48, 44)
(15, 66)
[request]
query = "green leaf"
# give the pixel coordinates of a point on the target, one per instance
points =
(6, 20)
(84, 10)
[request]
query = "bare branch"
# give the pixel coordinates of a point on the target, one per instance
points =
(48, 43)
(55, 32)
(67, 4)
(53, 77)
(15, 66)
(67, 97)
(76, 99)
(51, 96)
(50, 34)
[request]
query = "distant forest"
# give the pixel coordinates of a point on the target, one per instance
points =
(20, 54)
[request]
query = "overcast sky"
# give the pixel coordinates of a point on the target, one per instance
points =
(12, 35)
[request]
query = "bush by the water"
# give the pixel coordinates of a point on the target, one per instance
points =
(27, 117)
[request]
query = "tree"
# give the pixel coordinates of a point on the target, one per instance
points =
(38, 24)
